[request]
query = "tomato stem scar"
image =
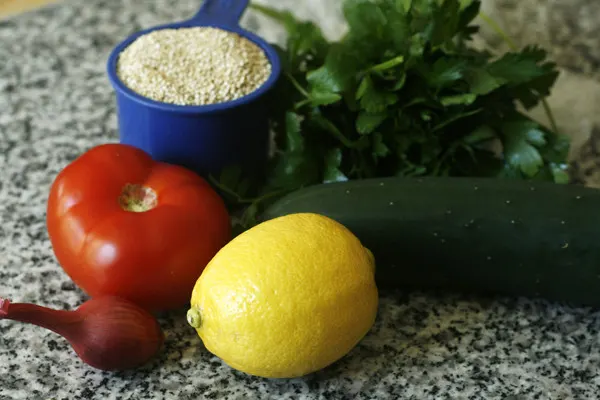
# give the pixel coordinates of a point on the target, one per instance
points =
(137, 198)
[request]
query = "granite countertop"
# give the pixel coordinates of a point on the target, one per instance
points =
(55, 102)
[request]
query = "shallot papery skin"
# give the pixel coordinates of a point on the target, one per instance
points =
(108, 333)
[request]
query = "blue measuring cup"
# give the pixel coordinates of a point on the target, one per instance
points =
(206, 138)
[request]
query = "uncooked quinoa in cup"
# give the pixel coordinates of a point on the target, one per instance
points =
(193, 66)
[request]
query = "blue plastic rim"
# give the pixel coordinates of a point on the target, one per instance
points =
(207, 138)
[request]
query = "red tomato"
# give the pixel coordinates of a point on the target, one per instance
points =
(122, 224)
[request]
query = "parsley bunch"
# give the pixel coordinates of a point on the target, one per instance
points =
(403, 93)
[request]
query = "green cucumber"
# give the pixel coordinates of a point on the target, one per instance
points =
(476, 235)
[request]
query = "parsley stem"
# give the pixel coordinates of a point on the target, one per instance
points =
(297, 85)
(328, 126)
(302, 103)
(496, 28)
(391, 63)
(242, 200)
(270, 195)
(513, 46)
(239, 199)
(550, 116)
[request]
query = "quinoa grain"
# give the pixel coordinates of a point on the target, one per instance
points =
(193, 66)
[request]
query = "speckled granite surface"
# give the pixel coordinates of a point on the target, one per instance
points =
(55, 102)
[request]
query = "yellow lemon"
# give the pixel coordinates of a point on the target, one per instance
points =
(286, 298)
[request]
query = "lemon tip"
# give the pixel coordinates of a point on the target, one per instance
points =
(194, 318)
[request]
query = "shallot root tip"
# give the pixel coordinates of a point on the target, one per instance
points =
(4, 303)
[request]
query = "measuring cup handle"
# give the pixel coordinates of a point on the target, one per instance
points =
(225, 12)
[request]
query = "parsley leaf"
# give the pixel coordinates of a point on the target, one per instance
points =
(445, 71)
(373, 99)
(481, 81)
(403, 93)
(380, 149)
(323, 98)
(338, 71)
(522, 140)
(516, 68)
(333, 161)
(365, 19)
(368, 122)
(445, 21)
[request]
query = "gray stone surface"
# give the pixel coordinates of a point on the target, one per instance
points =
(55, 102)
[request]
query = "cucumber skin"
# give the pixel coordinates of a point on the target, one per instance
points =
(474, 235)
